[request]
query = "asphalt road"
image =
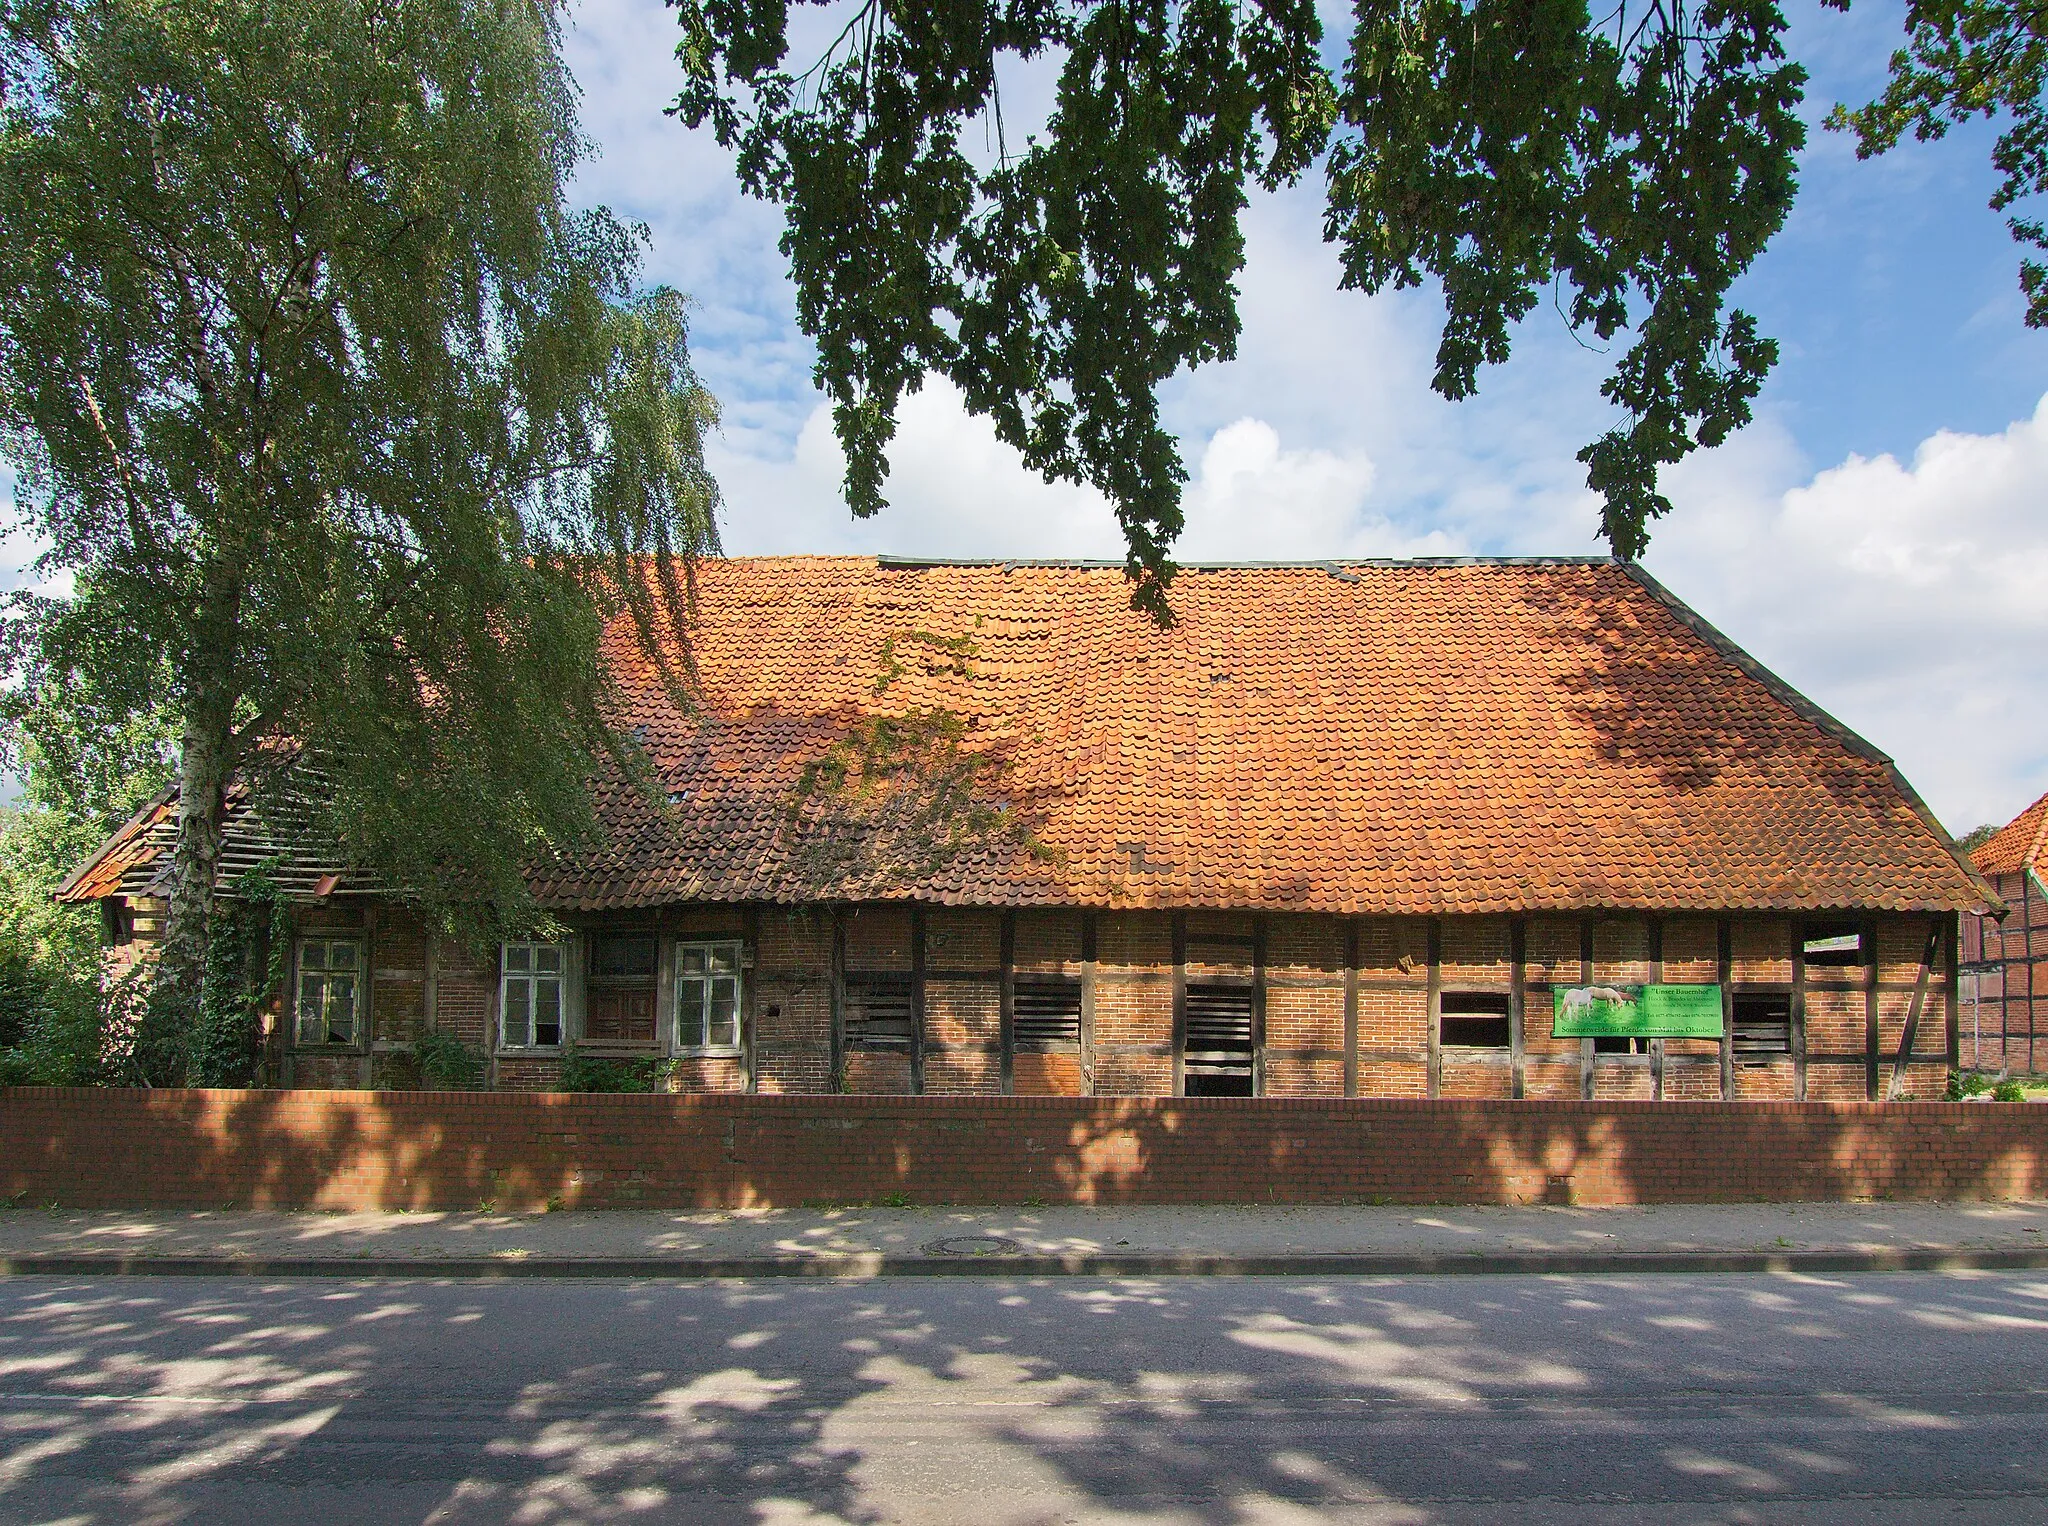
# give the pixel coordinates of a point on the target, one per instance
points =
(1877, 1399)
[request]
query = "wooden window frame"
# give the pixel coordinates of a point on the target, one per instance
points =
(531, 977)
(736, 950)
(357, 973)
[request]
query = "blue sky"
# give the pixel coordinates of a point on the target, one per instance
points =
(1877, 536)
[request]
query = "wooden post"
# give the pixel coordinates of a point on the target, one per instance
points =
(1258, 1006)
(1436, 1006)
(1866, 935)
(1518, 969)
(1955, 992)
(750, 1003)
(1913, 1013)
(1656, 927)
(916, 998)
(838, 1082)
(1088, 1003)
(1798, 1013)
(1351, 1006)
(1180, 1003)
(1724, 937)
(1589, 1057)
(1006, 1005)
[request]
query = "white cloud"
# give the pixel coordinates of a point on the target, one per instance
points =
(954, 489)
(1904, 598)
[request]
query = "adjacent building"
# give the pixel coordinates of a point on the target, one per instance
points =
(1480, 828)
(2005, 958)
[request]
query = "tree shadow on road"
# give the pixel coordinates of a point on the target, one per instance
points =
(1218, 1401)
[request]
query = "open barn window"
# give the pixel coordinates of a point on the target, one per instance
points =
(880, 1014)
(1763, 1026)
(530, 996)
(1473, 1020)
(1832, 943)
(1047, 1014)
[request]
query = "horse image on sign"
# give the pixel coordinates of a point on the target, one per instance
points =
(1656, 1011)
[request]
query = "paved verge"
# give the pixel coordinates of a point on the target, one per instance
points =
(852, 1242)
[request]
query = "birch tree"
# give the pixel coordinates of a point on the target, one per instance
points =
(344, 431)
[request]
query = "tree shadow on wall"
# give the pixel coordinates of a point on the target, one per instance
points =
(1219, 1401)
(463, 1150)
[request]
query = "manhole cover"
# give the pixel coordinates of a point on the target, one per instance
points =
(973, 1245)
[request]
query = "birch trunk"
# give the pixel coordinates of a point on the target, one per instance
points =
(164, 1043)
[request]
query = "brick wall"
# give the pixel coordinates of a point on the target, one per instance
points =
(355, 1149)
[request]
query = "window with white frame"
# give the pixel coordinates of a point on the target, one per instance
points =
(708, 997)
(330, 990)
(530, 996)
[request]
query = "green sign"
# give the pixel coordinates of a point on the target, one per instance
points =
(1648, 1012)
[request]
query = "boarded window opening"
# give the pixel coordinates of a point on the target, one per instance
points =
(629, 956)
(1047, 1015)
(618, 1005)
(1833, 943)
(1763, 1025)
(1217, 1058)
(879, 1013)
(1474, 1020)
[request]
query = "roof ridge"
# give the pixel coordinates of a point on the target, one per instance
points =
(1320, 564)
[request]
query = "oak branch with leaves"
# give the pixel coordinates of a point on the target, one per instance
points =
(1631, 164)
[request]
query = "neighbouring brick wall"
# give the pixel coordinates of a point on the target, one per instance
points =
(2005, 1021)
(354, 1149)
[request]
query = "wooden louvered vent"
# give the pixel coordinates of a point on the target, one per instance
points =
(1047, 1015)
(879, 1013)
(1218, 1054)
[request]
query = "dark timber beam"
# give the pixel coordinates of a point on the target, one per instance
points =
(1436, 1006)
(1518, 972)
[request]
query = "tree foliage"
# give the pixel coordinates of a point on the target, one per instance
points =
(85, 764)
(1966, 59)
(349, 432)
(1506, 148)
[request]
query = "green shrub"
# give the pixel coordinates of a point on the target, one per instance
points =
(445, 1063)
(2008, 1091)
(582, 1073)
(16, 1068)
(1968, 1083)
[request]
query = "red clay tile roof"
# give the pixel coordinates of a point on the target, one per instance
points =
(2016, 846)
(1405, 737)
(1409, 737)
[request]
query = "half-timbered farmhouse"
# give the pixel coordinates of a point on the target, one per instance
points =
(2005, 960)
(1492, 828)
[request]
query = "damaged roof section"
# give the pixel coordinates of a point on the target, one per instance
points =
(273, 832)
(1449, 736)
